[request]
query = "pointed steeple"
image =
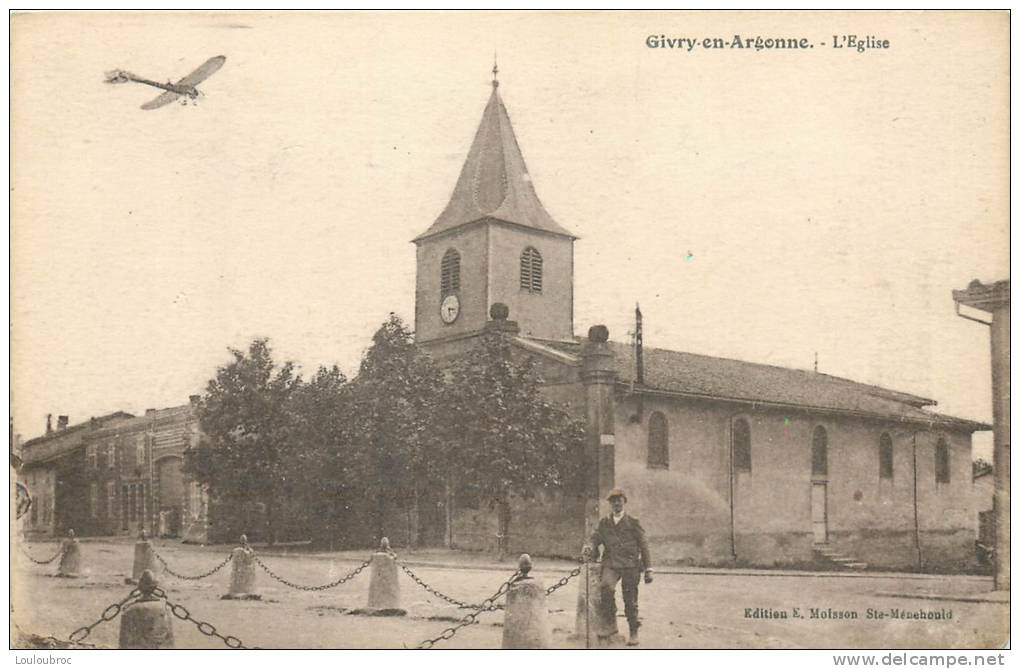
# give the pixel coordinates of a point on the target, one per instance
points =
(494, 182)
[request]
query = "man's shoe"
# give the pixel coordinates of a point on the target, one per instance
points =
(633, 640)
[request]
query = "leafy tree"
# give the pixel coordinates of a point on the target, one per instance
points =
(246, 432)
(318, 476)
(503, 438)
(393, 421)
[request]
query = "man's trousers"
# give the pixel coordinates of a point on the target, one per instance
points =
(630, 577)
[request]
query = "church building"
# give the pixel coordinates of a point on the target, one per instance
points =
(724, 461)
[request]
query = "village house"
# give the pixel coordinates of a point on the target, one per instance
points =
(52, 471)
(116, 475)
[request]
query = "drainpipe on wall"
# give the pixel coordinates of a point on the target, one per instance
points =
(733, 530)
(917, 527)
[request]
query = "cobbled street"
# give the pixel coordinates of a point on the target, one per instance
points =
(689, 608)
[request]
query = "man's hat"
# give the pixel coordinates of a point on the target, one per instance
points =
(616, 492)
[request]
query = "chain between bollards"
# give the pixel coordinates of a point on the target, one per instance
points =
(24, 550)
(108, 614)
(566, 579)
(470, 619)
(208, 629)
(310, 588)
(198, 577)
(432, 591)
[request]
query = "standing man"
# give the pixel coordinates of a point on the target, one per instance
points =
(624, 556)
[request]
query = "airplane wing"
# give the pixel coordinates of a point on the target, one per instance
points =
(163, 99)
(204, 71)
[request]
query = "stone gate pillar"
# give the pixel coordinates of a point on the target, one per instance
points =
(598, 374)
(994, 299)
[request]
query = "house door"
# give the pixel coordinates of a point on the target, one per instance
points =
(171, 496)
(819, 513)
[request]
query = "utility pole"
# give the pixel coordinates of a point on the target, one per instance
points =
(994, 299)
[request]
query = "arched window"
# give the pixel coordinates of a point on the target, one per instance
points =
(942, 461)
(820, 452)
(885, 461)
(449, 273)
(531, 270)
(741, 445)
(658, 441)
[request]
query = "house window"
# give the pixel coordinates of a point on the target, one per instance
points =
(531, 270)
(449, 273)
(885, 452)
(124, 509)
(741, 445)
(140, 449)
(820, 452)
(658, 441)
(942, 461)
(111, 501)
(94, 500)
(111, 456)
(141, 500)
(90, 454)
(195, 501)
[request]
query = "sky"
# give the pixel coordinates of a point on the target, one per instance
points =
(761, 205)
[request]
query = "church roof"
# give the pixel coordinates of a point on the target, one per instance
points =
(723, 378)
(494, 182)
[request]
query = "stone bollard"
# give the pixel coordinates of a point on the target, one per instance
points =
(70, 557)
(383, 585)
(146, 623)
(242, 573)
(589, 625)
(145, 558)
(526, 623)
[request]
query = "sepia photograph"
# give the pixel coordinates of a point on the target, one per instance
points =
(589, 330)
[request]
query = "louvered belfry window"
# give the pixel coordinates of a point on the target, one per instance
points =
(531, 270)
(449, 273)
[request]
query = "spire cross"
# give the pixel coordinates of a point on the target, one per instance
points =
(495, 71)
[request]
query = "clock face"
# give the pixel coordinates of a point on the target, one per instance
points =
(449, 309)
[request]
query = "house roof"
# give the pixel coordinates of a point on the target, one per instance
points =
(986, 297)
(60, 442)
(92, 422)
(707, 377)
(494, 182)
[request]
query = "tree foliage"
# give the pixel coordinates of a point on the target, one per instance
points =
(503, 438)
(338, 459)
(319, 479)
(245, 422)
(393, 420)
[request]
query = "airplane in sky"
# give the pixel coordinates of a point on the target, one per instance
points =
(183, 88)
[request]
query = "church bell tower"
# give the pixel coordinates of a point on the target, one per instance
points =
(494, 242)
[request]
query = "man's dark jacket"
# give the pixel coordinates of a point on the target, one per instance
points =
(625, 545)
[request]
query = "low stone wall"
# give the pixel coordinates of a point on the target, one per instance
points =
(550, 527)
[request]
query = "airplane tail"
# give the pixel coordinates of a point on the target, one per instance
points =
(118, 77)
